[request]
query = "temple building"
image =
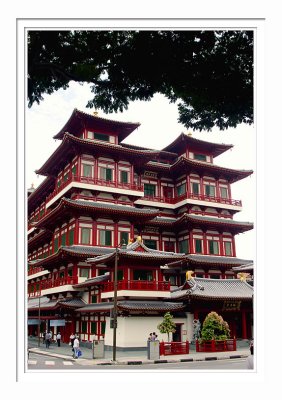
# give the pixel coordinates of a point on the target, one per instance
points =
(152, 214)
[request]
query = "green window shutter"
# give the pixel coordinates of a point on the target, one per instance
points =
(70, 272)
(149, 189)
(85, 235)
(63, 239)
(84, 327)
(124, 177)
(207, 190)
(94, 298)
(108, 174)
(200, 157)
(183, 246)
(152, 244)
(58, 184)
(71, 237)
(120, 275)
(101, 136)
(56, 244)
(103, 327)
(93, 328)
(73, 170)
(108, 238)
(124, 237)
(195, 188)
(198, 245)
(227, 248)
(87, 170)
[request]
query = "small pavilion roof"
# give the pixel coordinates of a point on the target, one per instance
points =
(214, 148)
(137, 250)
(233, 175)
(214, 289)
(78, 120)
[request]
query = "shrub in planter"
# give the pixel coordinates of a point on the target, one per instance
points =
(214, 327)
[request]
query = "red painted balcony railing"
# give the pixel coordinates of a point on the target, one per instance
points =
(137, 285)
(94, 181)
(169, 348)
(49, 283)
(216, 345)
(35, 270)
(177, 199)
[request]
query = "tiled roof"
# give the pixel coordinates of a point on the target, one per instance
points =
(192, 259)
(132, 251)
(113, 208)
(218, 221)
(93, 281)
(248, 267)
(131, 305)
(46, 303)
(204, 288)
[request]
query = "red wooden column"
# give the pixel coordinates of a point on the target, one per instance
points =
(244, 325)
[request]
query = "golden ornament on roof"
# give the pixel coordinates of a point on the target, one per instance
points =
(189, 275)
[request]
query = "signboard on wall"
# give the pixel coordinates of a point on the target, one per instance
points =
(231, 305)
(32, 321)
(150, 174)
(57, 322)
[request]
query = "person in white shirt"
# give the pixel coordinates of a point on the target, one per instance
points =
(76, 347)
(58, 338)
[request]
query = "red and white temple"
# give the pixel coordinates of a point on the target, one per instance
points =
(172, 208)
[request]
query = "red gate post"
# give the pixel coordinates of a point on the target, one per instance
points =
(213, 345)
(162, 348)
(234, 344)
(187, 347)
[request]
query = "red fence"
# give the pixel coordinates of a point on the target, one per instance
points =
(170, 348)
(216, 345)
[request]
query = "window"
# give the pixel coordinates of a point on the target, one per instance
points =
(71, 237)
(73, 170)
(200, 157)
(149, 189)
(93, 328)
(213, 247)
(223, 193)
(105, 238)
(168, 191)
(215, 276)
(103, 327)
(183, 246)
(84, 327)
(124, 237)
(63, 239)
(101, 136)
(61, 275)
(87, 170)
(94, 298)
(106, 174)
(181, 189)
(152, 244)
(70, 272)
(85, 235)
(227, 248)
(198, 246)
(124, 176)
(169, 246)
(172, 280)
(84, 272)
(195, 188)
(210, 190)
(120, 275)
(56, 244)
(142, 275)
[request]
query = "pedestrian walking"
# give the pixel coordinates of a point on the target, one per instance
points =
(76, 347)
(44, 336)
(59, 339)
(72, 337)
(47, 339)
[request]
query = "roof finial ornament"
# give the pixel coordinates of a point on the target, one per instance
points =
(243, 276)
(139, 239)
(189, 275)
(189, 134)
(95, 113)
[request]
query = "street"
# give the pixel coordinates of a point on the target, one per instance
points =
(42, 362)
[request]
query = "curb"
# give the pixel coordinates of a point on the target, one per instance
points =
(136, 362)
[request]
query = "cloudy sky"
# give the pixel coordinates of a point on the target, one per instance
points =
(159, 127)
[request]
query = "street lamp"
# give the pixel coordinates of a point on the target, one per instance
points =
(123, 245)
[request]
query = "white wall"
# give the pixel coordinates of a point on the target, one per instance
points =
(134, 331)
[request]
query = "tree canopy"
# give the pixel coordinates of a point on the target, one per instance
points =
(208, 73)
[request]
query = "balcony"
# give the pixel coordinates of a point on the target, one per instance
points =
(51, 284)
(192, 196)
(85, 182)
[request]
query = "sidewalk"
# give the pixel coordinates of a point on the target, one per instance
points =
(130, 357)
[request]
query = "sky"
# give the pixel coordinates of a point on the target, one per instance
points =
(159, 127)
